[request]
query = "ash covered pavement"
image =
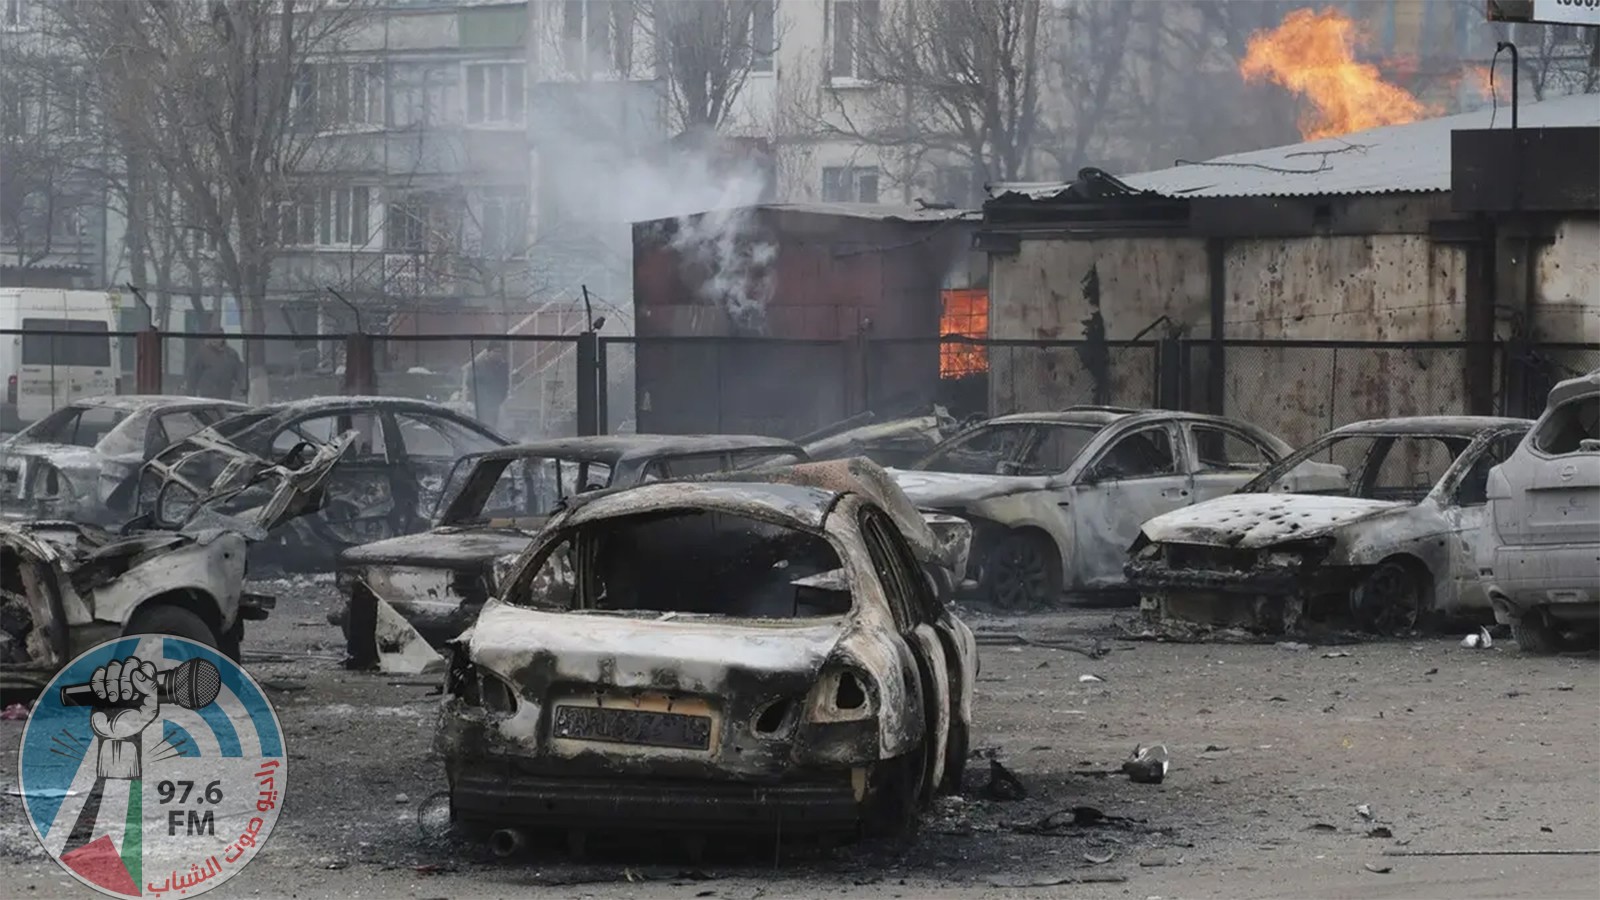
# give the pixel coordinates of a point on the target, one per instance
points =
(1292, 774)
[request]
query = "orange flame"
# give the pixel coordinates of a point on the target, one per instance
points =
(1313, 54)
(966, 313)
(1481, 80)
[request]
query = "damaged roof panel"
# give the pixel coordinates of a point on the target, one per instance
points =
(1410, 158)
(805, 505)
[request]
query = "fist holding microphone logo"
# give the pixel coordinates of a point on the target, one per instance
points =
(152, 765)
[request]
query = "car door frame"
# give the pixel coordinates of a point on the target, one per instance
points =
(1192, 456)
(1073, 497)
(918, 633)
(385, 424)
(1466, 523)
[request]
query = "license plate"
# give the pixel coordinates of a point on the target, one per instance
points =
(633, 726)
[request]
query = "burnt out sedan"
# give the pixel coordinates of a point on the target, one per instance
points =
(757, 654)
(388, 484)
(1374, 524)
(80, 461)
(431, 585)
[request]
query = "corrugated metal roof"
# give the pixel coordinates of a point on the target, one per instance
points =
(1411, 158)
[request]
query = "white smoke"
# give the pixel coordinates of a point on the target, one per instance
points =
(604, 163)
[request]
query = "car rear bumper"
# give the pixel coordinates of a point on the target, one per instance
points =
(507, 799)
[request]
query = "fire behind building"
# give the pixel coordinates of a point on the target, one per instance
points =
(816, 282)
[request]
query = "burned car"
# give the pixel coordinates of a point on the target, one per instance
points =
(1375, 523)
(887, 442)
(79, 461)
(431, 585)
(388, 484)
(1540, 550)
(1056, 497)
(177, 568)
(749, 650)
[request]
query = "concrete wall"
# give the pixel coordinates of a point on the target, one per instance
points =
(1331, 287)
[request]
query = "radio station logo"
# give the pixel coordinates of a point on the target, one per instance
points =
(152, 766)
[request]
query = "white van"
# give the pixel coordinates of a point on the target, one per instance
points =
(55, 347)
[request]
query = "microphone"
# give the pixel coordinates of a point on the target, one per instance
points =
(191, 684)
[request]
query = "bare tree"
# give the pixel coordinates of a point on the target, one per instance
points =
(954, 80)
(704, 53)
(221, 99)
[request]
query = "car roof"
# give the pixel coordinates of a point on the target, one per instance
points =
(1465, 426)
(613, 448)
(133, 402)
(334, 403)
(1105, 415)
(798, 504)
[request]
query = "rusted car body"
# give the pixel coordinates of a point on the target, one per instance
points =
(388, 484)
(750, 654)
(431, 585)
(1374, 524)
(78, 463)
(1056, 497)
(177, 568)
(1539, 555)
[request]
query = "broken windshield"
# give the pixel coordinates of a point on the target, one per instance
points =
(694, 562)
(1391, 467)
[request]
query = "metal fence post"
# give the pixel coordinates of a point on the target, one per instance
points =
(147, 364)
(360, 369)
(602, 386)
(1169, 367)
(588, 372)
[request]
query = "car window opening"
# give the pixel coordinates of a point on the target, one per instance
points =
(696, 562)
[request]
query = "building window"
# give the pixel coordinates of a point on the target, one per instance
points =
(965, 314)
(502, 220)
(297, 221)
(496, 93)
(763, 35)
(418, 94)
(338, 95)
(850, 184)
(407, 229)
(597, 35)
(344, 215)
(853, 22)
(956, 184)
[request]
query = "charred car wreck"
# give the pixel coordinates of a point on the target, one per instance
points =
(1375, 525)
(178, 568)
(408, 594)
(757, 654)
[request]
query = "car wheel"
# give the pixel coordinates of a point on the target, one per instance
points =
(163, 618)
(894, 795)
(1021, 572)
(1534, 634)
(1390, 600)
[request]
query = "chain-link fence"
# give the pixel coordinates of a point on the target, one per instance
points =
(528, 385)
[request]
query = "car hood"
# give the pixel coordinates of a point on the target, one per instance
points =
(1250, 521)
(206, 482)
(949, 489)
(629, 651)
(447, 548)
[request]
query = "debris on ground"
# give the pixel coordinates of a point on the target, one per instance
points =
(1479, 641)
(1100, 859)
(1382, 831)
(1376, 869)
(1364, 811)
(1010, 881)
(1147, 765)
(1336, 654)
(1063, 820)
(15, 712)
(1089, 679)
(1003, 785)
(1294, 646)
(1097, 650)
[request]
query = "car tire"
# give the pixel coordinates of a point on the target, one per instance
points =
(894, 802)
(164, 618)
(1390, 600)
(1534, 634)
(1021, 571)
